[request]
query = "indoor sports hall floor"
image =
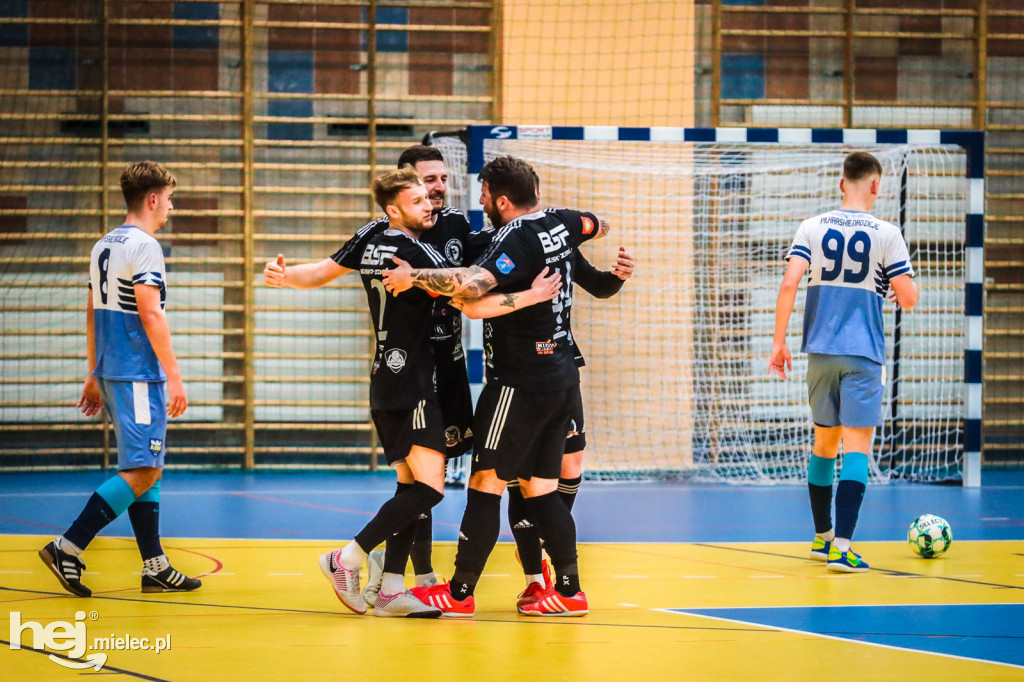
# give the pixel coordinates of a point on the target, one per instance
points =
(685, 582)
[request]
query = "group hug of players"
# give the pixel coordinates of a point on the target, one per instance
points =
(421, 267)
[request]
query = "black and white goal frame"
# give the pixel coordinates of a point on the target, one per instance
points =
(971, 141)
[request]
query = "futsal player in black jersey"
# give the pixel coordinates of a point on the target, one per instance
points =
(403, 402)
(452, 237)
(529, 552)
(524, 411)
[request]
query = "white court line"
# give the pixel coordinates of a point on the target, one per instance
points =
(630, 605)
(680, 612)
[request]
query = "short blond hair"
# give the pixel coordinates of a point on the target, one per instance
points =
(140, 178)
(388, 186)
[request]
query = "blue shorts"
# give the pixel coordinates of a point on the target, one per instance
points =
(138, 410)
(845, 390)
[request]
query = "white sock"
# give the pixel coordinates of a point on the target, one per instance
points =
(426, 579)
(392, 584)
(842, 544)
(65, 545)
(352, 556)
(155, 565)
(535, 578)
(829, 535)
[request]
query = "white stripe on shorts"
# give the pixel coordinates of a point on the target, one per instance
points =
(419, 417)
(140, 392)
(498, 421)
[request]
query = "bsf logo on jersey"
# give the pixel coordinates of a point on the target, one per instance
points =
(156, 445)
(588, 225)
(395, 359)
(505, 264)
(376, 254)
(555, 239)
(546, 347)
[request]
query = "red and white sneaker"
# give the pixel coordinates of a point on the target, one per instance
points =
(554, 604)
(344, 582)
(533, 593)
(440, 597)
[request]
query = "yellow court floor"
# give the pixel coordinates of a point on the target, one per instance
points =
(658, 612)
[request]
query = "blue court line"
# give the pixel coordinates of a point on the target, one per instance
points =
(988, 633)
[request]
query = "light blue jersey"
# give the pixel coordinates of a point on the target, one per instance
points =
(124, 257)
(852, 256)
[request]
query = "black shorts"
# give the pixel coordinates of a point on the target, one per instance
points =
(454, 396)
(400, 430)
(521, 434)
(576, 441)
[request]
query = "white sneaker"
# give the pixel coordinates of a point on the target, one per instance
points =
(375, 576)
(344, 581)
(403, 605)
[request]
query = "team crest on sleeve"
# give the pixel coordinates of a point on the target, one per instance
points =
(588, 225)
(505, 264)
(395, 359)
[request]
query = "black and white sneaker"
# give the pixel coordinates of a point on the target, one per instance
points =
(67, 567)
(169, 580)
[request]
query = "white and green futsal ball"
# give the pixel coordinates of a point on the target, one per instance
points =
(929, 536)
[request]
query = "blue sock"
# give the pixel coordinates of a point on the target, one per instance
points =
(108, 502)
(144, 514)
(853, 479)
(821, 472)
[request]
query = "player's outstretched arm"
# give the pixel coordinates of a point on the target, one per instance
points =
(780, 359)
(465, 283)
(154, 322)
(904, 291)
(305, 276)
(545, 287)
(91, 401)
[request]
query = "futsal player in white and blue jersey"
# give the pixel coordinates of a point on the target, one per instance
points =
(851, 259)
(133, 374)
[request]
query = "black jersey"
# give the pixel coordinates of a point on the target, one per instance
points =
(450, 236)
(403, 364)
(532, 348)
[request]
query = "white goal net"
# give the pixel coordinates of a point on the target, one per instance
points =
(676, 381)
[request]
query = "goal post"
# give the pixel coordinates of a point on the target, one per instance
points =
(676, 382)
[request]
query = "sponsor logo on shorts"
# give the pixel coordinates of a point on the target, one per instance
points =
(453, 251)
(395, 359)
(588, 225)
(156, 444)
(505, 264)
(452, 436)
(546, 347)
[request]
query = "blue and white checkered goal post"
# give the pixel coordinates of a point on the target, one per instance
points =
(676, 382)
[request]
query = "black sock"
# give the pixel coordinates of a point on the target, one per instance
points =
(478, 534)
(559, 533)
(96, 514)
(849, 495)
(567, 489)
(423, 544)
(821, 507)
(397, 546)
(524, 530)
(396, 514)
(145, 518)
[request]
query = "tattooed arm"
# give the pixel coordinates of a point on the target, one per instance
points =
(466, 283)
(603, 226)
(545, 287)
